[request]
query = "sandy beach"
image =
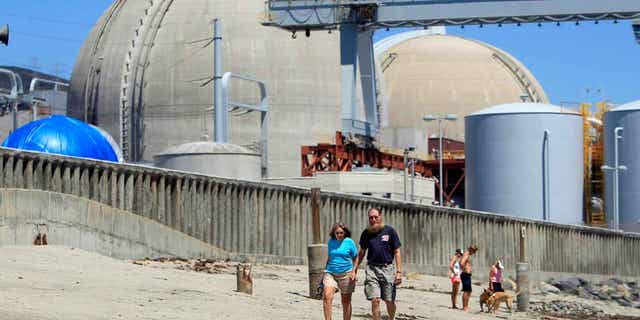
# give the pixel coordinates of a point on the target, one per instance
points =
(53, 282)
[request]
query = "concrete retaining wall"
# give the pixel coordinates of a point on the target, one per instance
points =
(273, 221)
(85, 224)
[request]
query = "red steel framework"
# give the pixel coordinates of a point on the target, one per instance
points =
(343, 156)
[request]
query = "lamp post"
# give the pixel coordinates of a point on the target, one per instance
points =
(616, 176)
(440, 118)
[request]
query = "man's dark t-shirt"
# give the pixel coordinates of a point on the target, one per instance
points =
(380, 246)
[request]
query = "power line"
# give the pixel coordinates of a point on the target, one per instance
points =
(48, 20)
(47, 37)
(113, 44)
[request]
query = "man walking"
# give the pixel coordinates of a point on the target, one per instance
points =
(465, 277)
(382, 246)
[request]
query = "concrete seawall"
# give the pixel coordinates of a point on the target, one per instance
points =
(273, 222)
(81, 223)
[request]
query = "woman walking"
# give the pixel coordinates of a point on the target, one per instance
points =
(342, 253)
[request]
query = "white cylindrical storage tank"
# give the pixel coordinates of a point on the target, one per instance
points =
(210, 158)
(626, 117)
(525, 160)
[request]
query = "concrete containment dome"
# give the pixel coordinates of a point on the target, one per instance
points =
(430, 73)
(142, 71)
(525, 160)
(210, 158)
(627, 117)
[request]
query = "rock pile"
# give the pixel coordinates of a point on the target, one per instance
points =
(565, 309)
(197, 265)
(626, 294)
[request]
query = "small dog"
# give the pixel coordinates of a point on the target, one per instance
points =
(484, 299)
(493, 302)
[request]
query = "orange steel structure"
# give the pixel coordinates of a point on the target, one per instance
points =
(593, 160)
(344, 155)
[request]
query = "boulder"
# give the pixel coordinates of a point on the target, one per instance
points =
(624, 290)
(570, 287)
(583, 293)
(604, 295)
(612, 282)
(547, 288)
(581, 282)
(593, 290)
(624, 303)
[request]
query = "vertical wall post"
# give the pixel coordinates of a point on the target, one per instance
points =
(315, 213)
(316, 252)
(522, 274)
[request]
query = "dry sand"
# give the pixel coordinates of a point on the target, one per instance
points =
(53, 282)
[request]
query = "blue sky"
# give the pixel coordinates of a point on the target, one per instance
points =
(588, 62)
(48, 34)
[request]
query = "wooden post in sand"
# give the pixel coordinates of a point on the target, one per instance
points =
(316, 252)
(244, 279)
(522, 275)
(315, 214)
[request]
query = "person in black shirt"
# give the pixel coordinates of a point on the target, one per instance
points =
(381, 244)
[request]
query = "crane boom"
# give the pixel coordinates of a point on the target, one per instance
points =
(357, 19)
(328, 14)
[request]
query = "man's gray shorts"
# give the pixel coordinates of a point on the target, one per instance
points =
(380, 282)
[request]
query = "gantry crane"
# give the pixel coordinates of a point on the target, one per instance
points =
(358, 19)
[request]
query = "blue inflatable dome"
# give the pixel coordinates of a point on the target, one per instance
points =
(59, 134)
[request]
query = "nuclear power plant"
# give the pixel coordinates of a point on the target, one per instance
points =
(203, 134)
